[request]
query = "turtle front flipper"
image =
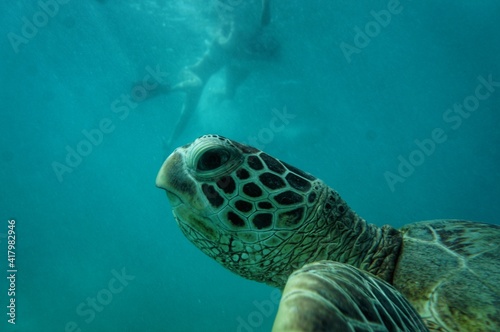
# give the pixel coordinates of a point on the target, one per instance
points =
(331, 296)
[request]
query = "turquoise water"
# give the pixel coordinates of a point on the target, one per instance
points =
(395, 105)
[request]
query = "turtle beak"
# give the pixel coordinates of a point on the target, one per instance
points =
(171, 173)
(174, 199)
(164, 181)
(173, 178)
(162, 176)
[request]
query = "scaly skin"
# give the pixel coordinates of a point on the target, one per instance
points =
(312, 222)
(264, 219)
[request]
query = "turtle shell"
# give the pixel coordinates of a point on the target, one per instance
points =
(450, 271)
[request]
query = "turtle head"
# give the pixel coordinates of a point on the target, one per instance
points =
(252, 213)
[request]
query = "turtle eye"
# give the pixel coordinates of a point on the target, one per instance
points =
(212, 159)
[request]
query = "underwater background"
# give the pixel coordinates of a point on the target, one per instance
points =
(400, 113)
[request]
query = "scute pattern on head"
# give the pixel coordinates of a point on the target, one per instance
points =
(260, 179)
(240, 205)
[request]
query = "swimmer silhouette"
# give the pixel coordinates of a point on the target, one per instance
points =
(233, 45)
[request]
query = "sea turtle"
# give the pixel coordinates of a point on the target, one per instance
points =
(271, 222)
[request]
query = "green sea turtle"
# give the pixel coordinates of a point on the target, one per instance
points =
(271, 222)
